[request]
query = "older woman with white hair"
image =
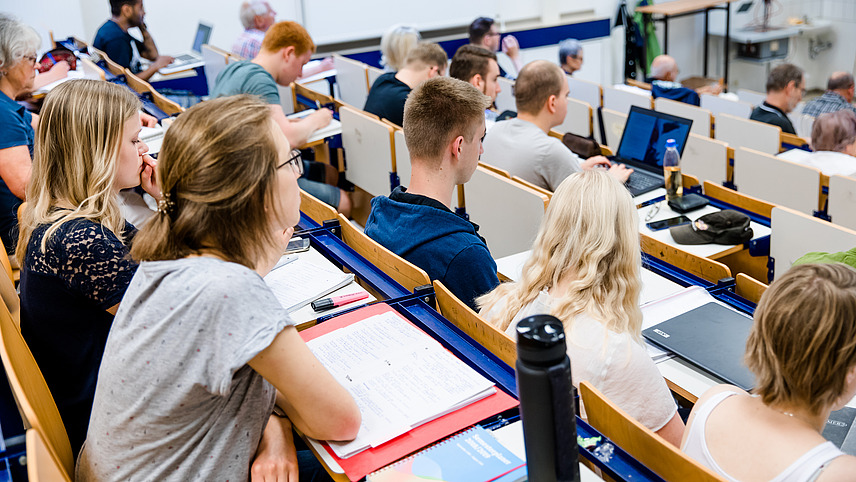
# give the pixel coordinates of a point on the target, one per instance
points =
(18, 45)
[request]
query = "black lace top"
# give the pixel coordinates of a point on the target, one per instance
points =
(65, 292)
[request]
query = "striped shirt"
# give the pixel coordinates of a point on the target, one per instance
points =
(826, 103)
(249, 43)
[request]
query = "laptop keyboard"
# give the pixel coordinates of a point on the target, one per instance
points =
(638, 182)
(185, 59)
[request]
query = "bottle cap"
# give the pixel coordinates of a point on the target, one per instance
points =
(541, 340)
(671, 143)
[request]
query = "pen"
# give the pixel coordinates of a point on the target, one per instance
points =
(336, 301)
(318, 105)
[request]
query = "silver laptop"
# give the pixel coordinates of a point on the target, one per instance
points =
(192, 59)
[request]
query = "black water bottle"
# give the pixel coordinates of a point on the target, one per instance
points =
(546, 400)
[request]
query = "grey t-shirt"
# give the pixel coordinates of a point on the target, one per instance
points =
(523, 149)
(245, 77)
(175, 398)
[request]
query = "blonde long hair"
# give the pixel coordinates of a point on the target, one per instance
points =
(590, 234)
(76, 158)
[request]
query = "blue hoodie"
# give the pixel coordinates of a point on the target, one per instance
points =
(426, 233)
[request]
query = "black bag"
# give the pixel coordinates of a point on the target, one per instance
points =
(584, 147)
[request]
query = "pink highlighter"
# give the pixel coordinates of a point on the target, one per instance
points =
(336, 301)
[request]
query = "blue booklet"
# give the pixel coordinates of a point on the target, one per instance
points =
(471, 456)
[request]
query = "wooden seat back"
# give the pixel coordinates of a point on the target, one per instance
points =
(35, 401)
(317, 210)
(42, 466)
(639, 441)
(749, 288)
(474, 325)
(705, 268)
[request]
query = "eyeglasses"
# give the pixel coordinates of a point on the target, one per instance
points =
(31, 58)
(296, 161)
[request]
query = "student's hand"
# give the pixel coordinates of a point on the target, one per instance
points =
(712, 89)
(620, 172)
(326, 64)
(162, 61)
(60, 69)
(148, 178)
(595, 161)
(510, 47)
(320, 118)
(148, 120)
(276, 457)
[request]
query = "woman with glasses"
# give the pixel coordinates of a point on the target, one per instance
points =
(18, 44)
(73, 244)
(204, 373)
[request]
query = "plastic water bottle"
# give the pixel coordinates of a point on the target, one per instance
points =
(672, 170)
(546, 400)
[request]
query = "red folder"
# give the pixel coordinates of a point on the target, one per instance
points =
(359, 465)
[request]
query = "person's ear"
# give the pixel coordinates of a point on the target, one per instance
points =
(478, 81)
(457, 146)
(551, 103)
(288, 52)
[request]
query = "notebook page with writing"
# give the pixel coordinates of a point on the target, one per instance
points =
(399, 376)
(301, 281)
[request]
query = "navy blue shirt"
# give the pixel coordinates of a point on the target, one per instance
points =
(387, 97)
(426, 233)
(15, 130)
(116, 43)
(65, 292)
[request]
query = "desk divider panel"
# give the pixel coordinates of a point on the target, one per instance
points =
(613, 125)
(505, 99)
(373, 73)
(215, 62)
(402, 158)
(720, 105)
(621, 100)
(701, 117)
(705, 158)
(352, 80)
(777, 181)
(795, 234)
(583, 90)
(578, 120)
(507, 212)
(739, 132)
(751, 97)
(842, 201)
(368, 151)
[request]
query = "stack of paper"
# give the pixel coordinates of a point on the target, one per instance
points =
(399, 376)
(298, 282)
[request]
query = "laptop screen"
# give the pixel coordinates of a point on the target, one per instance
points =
(203, 34)
(645, 135)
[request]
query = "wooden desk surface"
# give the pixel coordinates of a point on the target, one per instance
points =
(678, 7)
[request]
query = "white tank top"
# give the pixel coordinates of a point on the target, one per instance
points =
(805, 468)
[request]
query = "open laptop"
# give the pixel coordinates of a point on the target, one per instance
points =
(711, 337)
(192, 59)
(643, 144)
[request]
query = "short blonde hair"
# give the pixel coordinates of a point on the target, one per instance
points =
(396, 43)
(590, 233)
(803, 340)
(288, 34)
(535, 84)
(218, 177)
(427, 54)
(76, 158)
(439, 110)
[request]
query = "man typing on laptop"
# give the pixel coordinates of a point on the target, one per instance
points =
(521, 145)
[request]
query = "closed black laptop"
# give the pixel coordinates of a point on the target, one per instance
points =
(711, 337)
(643, 145)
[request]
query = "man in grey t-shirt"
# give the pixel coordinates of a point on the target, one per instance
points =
(522, 147)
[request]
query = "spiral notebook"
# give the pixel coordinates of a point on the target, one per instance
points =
(473, 455)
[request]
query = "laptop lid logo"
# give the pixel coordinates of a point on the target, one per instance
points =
(661, 333)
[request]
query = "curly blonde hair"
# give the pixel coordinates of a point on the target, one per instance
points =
(589, 235)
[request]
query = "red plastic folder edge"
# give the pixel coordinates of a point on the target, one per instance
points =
(363, 463)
